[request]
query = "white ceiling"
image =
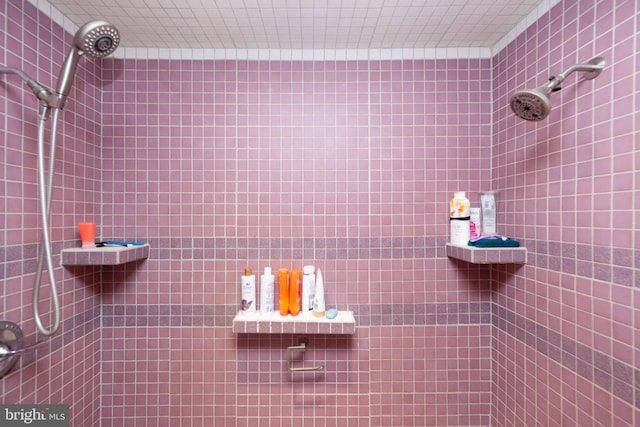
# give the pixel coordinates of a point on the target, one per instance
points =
(305, 24)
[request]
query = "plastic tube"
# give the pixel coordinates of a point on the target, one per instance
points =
(318, 297)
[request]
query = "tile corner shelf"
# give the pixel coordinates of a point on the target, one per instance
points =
(474, 255)
(274, 323)
(103, 256)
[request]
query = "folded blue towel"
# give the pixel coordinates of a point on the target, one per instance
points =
(494, 241)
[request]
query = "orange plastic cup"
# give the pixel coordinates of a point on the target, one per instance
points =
(87, 234)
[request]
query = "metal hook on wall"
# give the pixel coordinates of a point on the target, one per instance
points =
(300, 348)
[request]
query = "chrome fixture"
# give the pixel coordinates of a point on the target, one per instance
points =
(95, 38)
(534, 104)
(11, 345)
(10, 341)
(300, 348)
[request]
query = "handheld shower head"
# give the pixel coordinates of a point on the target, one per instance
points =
(534, 105)
(95, 38)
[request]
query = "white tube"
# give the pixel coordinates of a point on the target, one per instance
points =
(318, 298)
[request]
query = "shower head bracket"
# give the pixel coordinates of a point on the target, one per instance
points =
(592, 69)
(598, 65)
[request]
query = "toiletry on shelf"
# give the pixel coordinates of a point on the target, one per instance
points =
(308, 288)
(294, 292)
(283, 288)
(266, 291)
(318, 308)
(459, 218)
(475, 229)
(248, 292)
(332, 313)
(488, 214)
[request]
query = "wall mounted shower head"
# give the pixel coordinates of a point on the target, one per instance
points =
(531, 104)
(534, 104)
(95, 38)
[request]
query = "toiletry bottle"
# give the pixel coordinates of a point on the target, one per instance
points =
(283, 287)
(475, 222)
(488, 214)
(308, 288)
(266, 291)
(248, 284)
(294, 292)
(459, 217)
(318, 299)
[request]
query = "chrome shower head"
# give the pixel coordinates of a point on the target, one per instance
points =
(534, 104)
(531, 105)
(95, 38)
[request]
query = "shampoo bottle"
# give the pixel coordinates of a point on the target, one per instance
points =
(266, 291)
(248, 295)
(283, 288)
(294, 292)
(318, 299)
(308, 287)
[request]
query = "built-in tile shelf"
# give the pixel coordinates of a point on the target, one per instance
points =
(273, 323)
(475, 255)
(103, 256)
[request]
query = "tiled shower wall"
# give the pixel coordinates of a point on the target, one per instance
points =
(565, 336)
(346, 165)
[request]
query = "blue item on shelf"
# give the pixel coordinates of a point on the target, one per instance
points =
(494, 241)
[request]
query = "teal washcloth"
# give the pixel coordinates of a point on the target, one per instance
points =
(494, 242)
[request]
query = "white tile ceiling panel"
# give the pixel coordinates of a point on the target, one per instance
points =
(304, 24)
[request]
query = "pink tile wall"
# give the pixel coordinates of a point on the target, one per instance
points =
(565, 346)
(66, 370)
(220, 164)
(348, 165)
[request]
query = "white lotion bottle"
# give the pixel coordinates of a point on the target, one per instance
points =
(318, 298)
(267, 284)
(459, 219)
(308, 287)
(248, 293)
